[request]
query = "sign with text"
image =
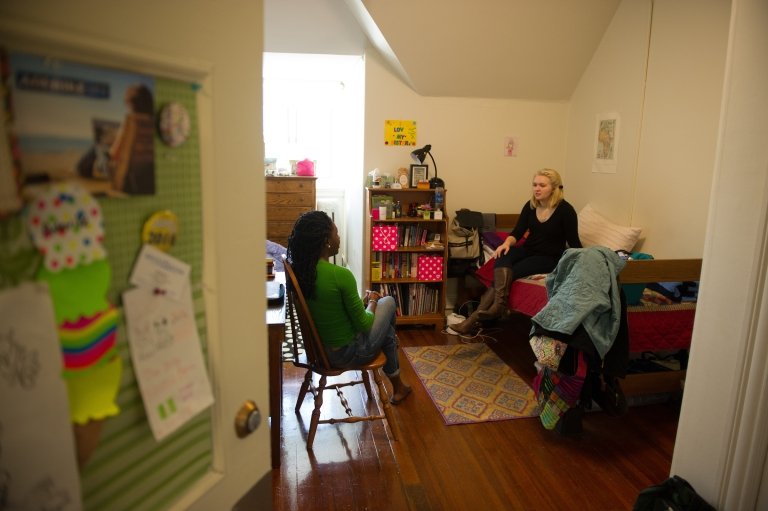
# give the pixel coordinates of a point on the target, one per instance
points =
(399, 133)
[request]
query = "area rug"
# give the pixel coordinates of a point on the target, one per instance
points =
(469, 383)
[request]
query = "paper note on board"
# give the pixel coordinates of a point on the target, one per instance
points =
(157, 271)
(167, 359)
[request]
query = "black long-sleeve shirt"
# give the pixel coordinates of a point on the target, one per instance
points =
(549, 237)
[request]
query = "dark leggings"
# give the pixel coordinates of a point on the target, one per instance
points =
(524, 264)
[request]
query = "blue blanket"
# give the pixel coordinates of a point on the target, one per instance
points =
(582, 290)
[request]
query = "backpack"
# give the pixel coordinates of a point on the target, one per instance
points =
(674, 494)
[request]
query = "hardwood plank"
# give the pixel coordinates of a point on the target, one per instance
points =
(503, 465)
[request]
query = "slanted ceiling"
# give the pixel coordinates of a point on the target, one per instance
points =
(522, 49)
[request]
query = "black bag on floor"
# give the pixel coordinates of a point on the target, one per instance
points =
(675, 493)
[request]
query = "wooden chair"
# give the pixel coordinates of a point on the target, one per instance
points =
(315, 361)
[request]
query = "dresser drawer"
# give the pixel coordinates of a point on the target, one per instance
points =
(286, 213)
(291, 184)
(279, 229)
(306, 200)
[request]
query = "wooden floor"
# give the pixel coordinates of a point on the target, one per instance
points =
(506, 465)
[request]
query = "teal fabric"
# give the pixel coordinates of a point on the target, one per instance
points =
(634, 292)
(583, 290)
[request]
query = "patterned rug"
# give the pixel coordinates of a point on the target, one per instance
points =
(469, 383)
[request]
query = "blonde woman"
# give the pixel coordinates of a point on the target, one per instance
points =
(551, 225)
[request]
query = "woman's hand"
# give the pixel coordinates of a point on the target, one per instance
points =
(504, 247)
(371, 296)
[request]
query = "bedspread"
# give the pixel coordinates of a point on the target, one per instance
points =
(652, 327)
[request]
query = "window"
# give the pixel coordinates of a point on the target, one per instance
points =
(313, 108)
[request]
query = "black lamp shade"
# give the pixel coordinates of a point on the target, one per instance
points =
(419, 155)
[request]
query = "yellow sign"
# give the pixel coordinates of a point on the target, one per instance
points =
(399, 133)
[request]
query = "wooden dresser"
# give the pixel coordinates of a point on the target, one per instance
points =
(287, 198)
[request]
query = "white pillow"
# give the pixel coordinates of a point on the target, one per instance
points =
(594, 229)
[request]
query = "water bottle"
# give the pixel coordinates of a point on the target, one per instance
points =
(439, 194)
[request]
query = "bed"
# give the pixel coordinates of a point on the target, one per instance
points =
(658, 328)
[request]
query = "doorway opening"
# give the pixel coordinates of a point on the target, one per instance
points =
(314, 109)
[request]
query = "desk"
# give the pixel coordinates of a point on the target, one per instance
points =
(275, 337)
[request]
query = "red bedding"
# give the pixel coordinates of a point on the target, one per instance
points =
(652, 327)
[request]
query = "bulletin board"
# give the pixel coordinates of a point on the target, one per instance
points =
(127, 452)
(129, 469)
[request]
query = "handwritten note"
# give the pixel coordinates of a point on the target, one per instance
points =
(38, 465)
(167, 359)
(158, 271)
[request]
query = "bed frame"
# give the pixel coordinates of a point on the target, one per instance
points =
(638, 272)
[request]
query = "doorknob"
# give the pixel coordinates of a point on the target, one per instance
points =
(248, 418)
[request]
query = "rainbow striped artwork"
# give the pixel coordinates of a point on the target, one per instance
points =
(88, 341)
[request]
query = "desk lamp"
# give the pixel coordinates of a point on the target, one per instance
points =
(419, 155)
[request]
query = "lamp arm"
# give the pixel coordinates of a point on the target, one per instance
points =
(433, 162)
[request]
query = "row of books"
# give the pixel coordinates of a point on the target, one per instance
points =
(412, 299)
(413, 235)
(394, 265)
(406, 265)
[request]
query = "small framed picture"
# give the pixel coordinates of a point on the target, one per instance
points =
(418, 173)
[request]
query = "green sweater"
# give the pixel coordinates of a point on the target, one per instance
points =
(337, 309)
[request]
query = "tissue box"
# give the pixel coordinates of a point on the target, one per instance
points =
(384, 238)
(430, 268)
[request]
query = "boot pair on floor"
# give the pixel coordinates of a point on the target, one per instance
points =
(493, 303)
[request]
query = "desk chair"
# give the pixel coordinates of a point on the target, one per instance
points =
(316, 361)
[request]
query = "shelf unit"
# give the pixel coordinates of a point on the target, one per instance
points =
(424, 299)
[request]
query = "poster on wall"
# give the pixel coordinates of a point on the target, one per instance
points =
(87, 124)
(511, 145)
(606, 146)
(399, 133)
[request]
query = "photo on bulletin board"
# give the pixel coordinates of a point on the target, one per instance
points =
(87, 124)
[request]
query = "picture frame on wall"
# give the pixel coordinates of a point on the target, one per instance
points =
(418, 173)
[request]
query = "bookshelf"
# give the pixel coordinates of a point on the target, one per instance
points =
(402, 259)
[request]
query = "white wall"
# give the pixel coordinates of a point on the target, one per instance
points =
(311, 26)
(668, 120)
(467, 137)
(613, 82)
(679, 132)
(722, 435)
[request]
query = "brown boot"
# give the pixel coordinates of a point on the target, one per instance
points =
(467, 326)
(502, 280)
(486, 300)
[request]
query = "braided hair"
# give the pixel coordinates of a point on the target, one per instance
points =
(310, 234)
